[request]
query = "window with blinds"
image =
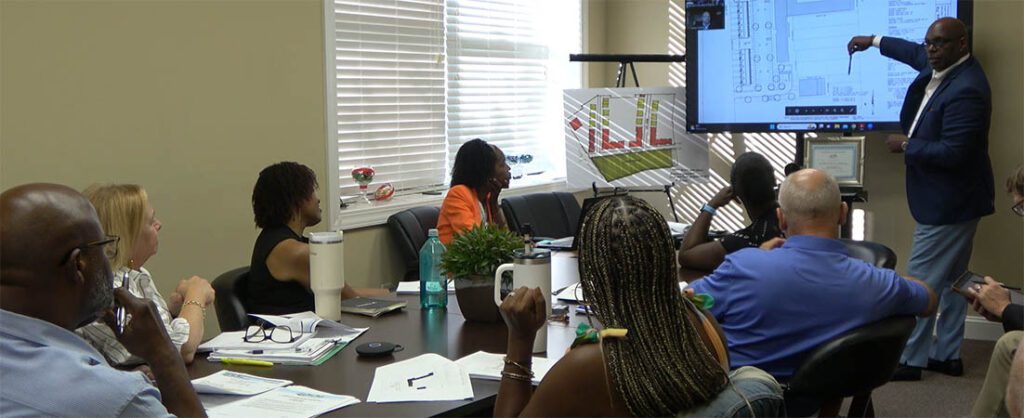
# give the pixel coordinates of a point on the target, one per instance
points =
(409, 81)
(389, 92)
(507, 66)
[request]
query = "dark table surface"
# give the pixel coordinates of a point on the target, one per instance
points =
(443, 332)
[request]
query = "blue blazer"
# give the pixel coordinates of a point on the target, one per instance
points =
(949, 174)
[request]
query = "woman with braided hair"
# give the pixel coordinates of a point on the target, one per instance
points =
(658, 354)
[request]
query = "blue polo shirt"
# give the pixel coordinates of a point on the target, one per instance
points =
(49, 371)
(776, 306)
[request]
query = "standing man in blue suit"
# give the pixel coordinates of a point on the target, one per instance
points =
(945, 117)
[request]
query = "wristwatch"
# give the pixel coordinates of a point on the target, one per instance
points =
(709, 209)
(903, 145)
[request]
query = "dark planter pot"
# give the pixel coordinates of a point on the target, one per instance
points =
(476, 298)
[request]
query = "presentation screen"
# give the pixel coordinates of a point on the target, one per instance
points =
(782, 65)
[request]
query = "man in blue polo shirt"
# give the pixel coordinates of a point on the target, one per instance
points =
(777, 305)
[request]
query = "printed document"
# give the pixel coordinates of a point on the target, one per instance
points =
(304, 322)
(428, 377)
(227, 382)
(234, 340)
(286, 402)
(488, 366)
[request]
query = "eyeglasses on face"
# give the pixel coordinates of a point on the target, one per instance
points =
(937, 42)
(109, 245)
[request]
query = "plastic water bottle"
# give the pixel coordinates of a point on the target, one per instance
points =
(433, 284)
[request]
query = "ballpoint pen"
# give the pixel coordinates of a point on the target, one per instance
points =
(120, 315)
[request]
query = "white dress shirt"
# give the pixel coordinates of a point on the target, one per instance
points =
(937, 77)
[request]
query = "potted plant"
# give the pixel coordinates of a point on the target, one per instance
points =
(471, 259)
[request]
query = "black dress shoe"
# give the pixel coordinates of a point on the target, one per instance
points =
(905, 373)
(951, 367)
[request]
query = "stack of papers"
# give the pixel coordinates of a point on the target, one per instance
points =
(232, 394)
(227, 382)
(413, 288)
(488, 366)
(320, 339)
(572, 293)
(428, 377)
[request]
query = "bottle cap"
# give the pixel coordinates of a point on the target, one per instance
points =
(432, 232)
(329, 237)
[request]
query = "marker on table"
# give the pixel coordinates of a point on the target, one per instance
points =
(245, 362)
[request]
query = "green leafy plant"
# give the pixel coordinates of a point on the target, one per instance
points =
(479, 251)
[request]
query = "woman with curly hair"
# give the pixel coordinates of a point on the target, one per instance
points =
(285, 203)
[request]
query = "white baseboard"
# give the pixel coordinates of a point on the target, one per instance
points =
(978, 328)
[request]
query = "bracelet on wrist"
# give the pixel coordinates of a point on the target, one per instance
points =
(195, 302)
(523, 368)
(709, 209)
(517, 376)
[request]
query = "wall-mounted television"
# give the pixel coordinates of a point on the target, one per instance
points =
(782, 65)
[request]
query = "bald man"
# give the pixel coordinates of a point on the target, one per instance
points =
(945, 121)
(779, 302)
(55, 277)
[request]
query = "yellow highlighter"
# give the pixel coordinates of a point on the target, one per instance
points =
(246, 362)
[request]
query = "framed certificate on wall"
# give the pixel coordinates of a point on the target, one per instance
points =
(842, 157)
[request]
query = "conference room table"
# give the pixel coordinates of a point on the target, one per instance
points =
(439, 331)
(444, 332)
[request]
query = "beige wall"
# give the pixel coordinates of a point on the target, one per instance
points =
(641, 26)
(189, 99)
(630, 27)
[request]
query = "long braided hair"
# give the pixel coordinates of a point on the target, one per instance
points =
(627, 271)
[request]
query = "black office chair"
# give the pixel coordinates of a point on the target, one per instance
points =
(550, 215)
(409, 228)
(231, 299)
(853, 364)
(871, 252)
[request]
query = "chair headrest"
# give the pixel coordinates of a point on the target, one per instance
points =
(871, 252)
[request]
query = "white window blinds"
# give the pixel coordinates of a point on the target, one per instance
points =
(508, 61)
(389, 84)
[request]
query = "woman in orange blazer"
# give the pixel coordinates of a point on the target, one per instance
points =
(479, 174)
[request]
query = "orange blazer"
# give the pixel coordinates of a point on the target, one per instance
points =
(459, 211)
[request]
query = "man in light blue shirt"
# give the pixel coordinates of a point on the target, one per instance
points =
(776, 306)
(55, 277)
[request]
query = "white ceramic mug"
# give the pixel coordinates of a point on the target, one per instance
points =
(327, 272)
(529, 270)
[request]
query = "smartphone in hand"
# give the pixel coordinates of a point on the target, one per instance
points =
(963, 284)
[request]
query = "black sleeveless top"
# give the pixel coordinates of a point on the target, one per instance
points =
(268, 295)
